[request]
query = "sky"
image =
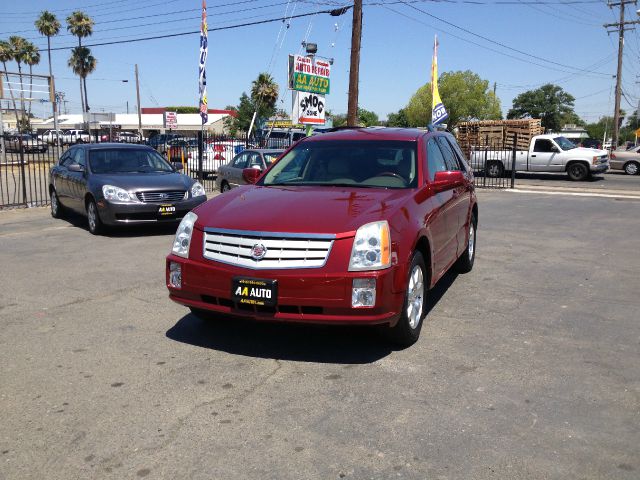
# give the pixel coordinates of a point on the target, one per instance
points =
(518, 45)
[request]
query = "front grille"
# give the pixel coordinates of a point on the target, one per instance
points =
(162, 197)
(283, 250)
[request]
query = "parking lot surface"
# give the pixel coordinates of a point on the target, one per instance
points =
(527, 367)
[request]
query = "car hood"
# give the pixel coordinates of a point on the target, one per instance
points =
(299, 209)
(145, 181)
(589, 151)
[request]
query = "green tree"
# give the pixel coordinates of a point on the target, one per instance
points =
(398, 119)
(80, 25)
(244, 114)
(465, 96)
(48, 25)
(264, 95)
(550, 103)
(367, 118)
(18, 47)
(6, 55)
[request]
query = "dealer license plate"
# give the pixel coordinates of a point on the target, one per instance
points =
(166, 210)
(254, 291)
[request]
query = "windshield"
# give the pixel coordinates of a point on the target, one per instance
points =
(564, 143)
(120, 160)
(362, 163)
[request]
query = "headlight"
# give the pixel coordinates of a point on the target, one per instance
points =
(115, 193)
(197, 189)
(371, 247)
(182, 240)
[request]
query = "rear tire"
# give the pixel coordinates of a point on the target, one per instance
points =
(406, 332)
(96, 227)
(494, 169)
(464, 264)
(632, 168)
(578, 172)
(224, 187)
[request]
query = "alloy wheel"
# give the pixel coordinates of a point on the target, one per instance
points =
(415, 296)
(91, 216)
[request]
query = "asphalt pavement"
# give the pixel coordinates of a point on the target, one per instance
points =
(527, 368)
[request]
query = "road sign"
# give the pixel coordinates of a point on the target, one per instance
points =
(307, 74)
(170, 120)
(308, 108)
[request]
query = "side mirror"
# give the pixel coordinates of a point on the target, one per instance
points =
(251, 175)
(75, 167)
(177, 166)
(447, 180)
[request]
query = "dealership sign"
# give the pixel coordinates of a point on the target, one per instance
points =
(170, 120)
(308, 108)
(306, 74)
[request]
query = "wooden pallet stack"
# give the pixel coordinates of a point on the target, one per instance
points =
(499, 132)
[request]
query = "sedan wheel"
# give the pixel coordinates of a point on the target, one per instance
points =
(56, 208)
(225, 187)
(407, 330)
(631, 168)
(93, 218)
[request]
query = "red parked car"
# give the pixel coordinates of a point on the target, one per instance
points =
(352, 226)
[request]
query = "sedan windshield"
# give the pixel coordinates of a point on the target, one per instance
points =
(564, 143)
(129, 160)
(361, 163)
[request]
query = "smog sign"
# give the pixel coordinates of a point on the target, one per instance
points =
(308, 108)
(307, 74)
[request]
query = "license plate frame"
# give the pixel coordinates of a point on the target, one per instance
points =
(167, 210)
(260, 292)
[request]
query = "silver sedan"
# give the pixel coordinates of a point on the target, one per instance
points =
(627, 160)
(230, 175)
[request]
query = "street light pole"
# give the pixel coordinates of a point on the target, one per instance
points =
(138, 97)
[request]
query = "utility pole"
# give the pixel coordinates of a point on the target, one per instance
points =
(620, 27)
(138, 97)
(354, 70)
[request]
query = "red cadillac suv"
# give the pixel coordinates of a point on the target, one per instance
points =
(351, 226)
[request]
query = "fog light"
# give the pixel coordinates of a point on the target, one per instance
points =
(363, 293)
(175, 275)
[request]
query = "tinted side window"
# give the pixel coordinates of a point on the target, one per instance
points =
(543, 145)
(458, 151)
(449, 157)
(240, 161)
(66, 159)
(80, 157)
(254, 159)
(435, 160)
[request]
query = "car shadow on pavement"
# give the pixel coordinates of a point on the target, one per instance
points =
(342, 344)
(151, 229)
(560, 176)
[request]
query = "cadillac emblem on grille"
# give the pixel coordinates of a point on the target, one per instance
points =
(163, 196)
(258, 251)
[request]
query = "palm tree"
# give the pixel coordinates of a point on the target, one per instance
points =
(49, 26)
(31, 57)
(18, 45)
(6, 55)
(82, 63)
(264, 93)
(80, 25)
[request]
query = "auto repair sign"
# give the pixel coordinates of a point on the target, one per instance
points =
(308, 108)
(307, 74)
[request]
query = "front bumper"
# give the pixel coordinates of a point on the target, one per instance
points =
(304, 295)
(600, 167)
(113, 213)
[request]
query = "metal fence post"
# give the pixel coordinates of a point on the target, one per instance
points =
(22, 173)
(200, 151)
(486, 156)
(513, 161)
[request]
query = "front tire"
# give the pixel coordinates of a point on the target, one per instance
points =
(224, 187)
(96, 227)
(406, 332)
(464, 264)
(578, 172)
(632, 168)
(57, 210)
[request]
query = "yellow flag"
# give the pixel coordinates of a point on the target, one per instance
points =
(438, 112)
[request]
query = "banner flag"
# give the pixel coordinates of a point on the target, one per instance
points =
(438, 112)
(204, 44)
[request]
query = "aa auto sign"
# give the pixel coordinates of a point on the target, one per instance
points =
(307, 74)
(308, 108)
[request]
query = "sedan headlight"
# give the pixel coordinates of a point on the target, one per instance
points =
(197, 190)
(182, 240)
(371, 247)
(111, 192)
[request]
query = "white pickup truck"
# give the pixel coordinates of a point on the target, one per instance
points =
(547, 153)
(76, 136)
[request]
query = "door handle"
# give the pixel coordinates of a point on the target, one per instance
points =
(533, 155)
